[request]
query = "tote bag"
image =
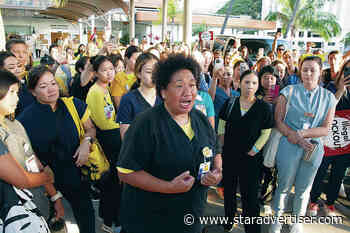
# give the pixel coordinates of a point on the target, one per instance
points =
(271, 147)
(97, 164)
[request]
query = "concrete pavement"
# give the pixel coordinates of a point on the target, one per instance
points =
(215, 207)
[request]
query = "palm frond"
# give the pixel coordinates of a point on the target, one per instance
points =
(60, 3)
(274, 16)
(325, 24)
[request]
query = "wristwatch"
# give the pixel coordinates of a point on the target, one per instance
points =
(57, 196)
(90, 139)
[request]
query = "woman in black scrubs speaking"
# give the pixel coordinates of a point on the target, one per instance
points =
(169, 156)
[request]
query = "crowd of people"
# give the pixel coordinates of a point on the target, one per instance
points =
(171, 121)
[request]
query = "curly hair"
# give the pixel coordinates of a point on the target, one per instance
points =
(164, 70)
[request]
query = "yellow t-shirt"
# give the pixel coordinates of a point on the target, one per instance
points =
(101, 107)
(122, 83)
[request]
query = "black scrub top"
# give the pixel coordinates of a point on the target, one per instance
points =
(241, 132)
(55, 139)
(156, 144)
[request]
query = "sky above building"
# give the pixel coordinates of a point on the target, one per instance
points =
(207, 6)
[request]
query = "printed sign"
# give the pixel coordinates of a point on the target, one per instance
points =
(206, 35)
(338, 140)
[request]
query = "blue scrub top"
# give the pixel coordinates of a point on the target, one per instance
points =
(133, 104)
(54, 138)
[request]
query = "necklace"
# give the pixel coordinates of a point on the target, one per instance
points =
(246, 104)
(150, 98)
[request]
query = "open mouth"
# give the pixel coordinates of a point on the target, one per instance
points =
(186, 103)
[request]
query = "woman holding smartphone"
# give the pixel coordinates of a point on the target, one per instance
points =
(269, 88)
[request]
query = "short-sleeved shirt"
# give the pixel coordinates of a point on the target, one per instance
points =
(242, 132)
(101, 107)
(307, 109)
(55, 138)
(3, 148)
(122, 83)
(205, 104)
(131, 105)
(304, 103)
(156, 144)
(77, 90)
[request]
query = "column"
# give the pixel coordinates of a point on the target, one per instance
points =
(92, 24)
(81, 31)
(164, 19)
(187, 36)
(108, 28)
(132, 19)
(2, 33)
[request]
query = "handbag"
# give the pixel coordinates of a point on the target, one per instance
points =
(271, 147)
(227, 111)
(97, 163)
(18, 213)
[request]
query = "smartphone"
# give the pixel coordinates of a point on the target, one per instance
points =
(308, 155)
(279, 29)
(275, 91)
(31, 164)
(243, 67)
(219, 61)
(346, 73)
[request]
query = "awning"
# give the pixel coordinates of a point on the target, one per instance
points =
(209, 20)
(76, 9)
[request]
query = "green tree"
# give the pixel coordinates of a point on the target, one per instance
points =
(243, 7)
(308, 16)
(174, 11)
(346, 39)
(197, 28)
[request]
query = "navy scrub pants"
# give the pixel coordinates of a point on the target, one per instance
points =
(79, 200)
(110, 141)
(246, 171)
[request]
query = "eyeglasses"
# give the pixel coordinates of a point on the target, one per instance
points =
(280, 49)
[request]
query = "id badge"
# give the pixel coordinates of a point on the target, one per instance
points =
(203, 169)
(31, 164)
(306, 125)
(108, 111)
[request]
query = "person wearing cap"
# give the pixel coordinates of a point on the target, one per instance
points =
(51, 63)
